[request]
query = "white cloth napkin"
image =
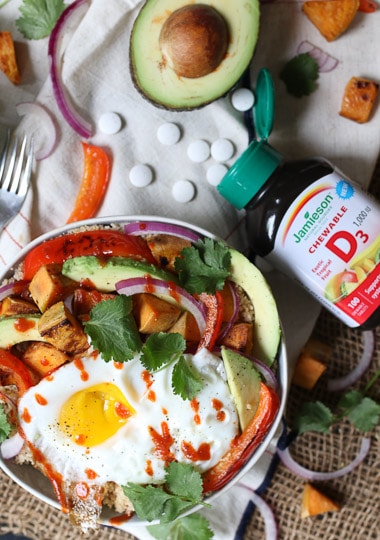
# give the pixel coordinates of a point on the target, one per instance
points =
(95, 69)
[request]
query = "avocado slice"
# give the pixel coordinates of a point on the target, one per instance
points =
(244, 382)
(15, 330)
(267, 331)
(104, 274)
(154, 72)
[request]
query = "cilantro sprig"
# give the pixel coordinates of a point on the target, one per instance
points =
(183, 529)
(300, 75)
(5, 427)
(183, 490)
(204, 266)
(362, 411)
(38, 17)
(112, 329)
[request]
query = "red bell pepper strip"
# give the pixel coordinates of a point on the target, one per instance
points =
(12, 366)
(245, 444)
(101, 243)
(367, 6)
(95, 179)
(214, 319)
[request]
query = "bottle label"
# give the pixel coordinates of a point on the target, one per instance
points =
(329, 239)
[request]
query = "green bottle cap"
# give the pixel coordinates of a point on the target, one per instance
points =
(258, 162)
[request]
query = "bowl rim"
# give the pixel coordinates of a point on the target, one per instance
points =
(24, 475)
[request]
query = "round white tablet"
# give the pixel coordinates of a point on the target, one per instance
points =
(168, 133)
(222, 150)
(141, 175)
(198, 151)
(183, 191)
(242, 99)
(215, 173)
(110, 123)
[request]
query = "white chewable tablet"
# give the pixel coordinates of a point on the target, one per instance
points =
(141, 175)
(215, 173)
(222, 150)
(183, 191)
(168, 133)
(110, 123)
(198, 151)
(242, 99)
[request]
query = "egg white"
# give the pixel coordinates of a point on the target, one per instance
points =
(124, 456)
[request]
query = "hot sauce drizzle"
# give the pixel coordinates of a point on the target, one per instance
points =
(218, 406)
(162, 442)
(23, 324)
(79, 365)
(194, 404)
(40, 399)
(147, 378)
(202, 454)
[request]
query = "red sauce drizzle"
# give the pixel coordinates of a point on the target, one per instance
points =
(149, 287)
(26, 416)
(162, 442)
(147, 378)
(172, 288)
(149, 469)
(44, 362)
(202, 454)
(218, 406)
(23, 325)
(122, 411)
(40, 399)
(194, 404)
(81, 439)
(79, 365)
(164, 411)
(118, 365)
(91, 475)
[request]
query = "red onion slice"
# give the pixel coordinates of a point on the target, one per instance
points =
(170, 291)
(236, 307)
(45, 120)
(15, 287)
(307, 474)
(340, 383)
(155, 227)
(12, 446)
(271, 529)
(324, 60)
(70, 114)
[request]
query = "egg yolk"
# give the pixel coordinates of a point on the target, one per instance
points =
(94, 414)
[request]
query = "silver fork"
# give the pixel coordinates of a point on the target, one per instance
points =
(15, 171)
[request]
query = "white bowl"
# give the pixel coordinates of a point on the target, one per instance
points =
(38, 485)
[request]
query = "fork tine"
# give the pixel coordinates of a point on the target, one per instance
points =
(23, 185)
(11, 159)
(18, 167)
(4, 153)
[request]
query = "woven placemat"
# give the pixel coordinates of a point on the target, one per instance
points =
(358, 492)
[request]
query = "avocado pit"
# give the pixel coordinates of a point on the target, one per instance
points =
(194, 40)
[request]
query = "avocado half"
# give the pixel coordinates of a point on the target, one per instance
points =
(154, 74)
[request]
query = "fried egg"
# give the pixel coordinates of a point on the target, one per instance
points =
(98, 421)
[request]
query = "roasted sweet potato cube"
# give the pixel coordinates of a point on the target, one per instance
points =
(331, 18)
(307, 371)
(166, 247)
(84, 300)
(49, 286)
(228, 303)
(358, 99)
(43, 358)
(153, 314)
(239, 337)
(314, 502)
(60, 328)
(187, 326)
(13, 305)
(8, 62)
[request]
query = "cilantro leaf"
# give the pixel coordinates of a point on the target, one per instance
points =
(183, 491)
(38, 17)
(113, 329)
(186, 381)
(300, 74)
(204, 266)
(314, 417)
(5, 428)
(161, 349)
(183, 529)
(362, 411)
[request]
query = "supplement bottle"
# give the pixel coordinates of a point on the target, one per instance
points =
(309, 221)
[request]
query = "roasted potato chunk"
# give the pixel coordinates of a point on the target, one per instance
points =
(8, 62)
(186, 326)
(43, 358)
(240, 337)
(166, 248)
(12, 305)
(358, 99)
(331, 18)
(153, 314)
(49, 286)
